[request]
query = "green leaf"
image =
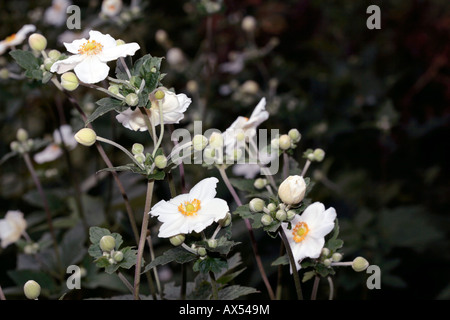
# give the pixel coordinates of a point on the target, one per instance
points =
(157, 175)
(25, 59)
(106, 105)
(209, 264)
(72, 245)
(308, 275)
(177, 254)
(235, 291)
(283, 260)
(95, 234)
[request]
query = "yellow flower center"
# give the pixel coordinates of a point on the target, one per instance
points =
(300, 231)
(91, 47)
(10, 38)
(189, 208)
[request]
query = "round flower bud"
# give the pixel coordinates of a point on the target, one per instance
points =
(225, 222)
(266, 219)
(325, 252)
(290, 214)
(209, 153)
(360, 264)
(54, 54)
(292, 190)
(212, 243)
(69, 81)
(216, 140)
(4, 73)
(118, 256)
(177, 240)
(336, 257)
(159, 94)
(275, 143)
(248, 24)
(137, 148)
(271, 207)
(201, 251)
(199, 142)
(161, 36)
(260, 183)
(15, 146)
(319, 154)
(285, 142)
(132, 99)
(22, 135)
(107, 243)
(281, 215)
(295, 135)
(32, 289)
(256, 204)
(114, 89)
(161, 161)
(327, 262)
(192, 86)
(140, 157)
(37, 42)
(86, 137)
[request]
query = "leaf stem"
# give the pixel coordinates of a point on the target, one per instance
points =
(121, 148)
(215, 292)
(315, 287)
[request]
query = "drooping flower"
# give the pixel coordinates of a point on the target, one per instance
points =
(173, 106)
(190, 212)
(307, 236)
(56, 14)
(62, 136)
(90, 56)
(12, 227)
(16, 38)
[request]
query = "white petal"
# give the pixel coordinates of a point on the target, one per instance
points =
(213, 209)
(132, 119)
(259, 115)
(114, 53)
(105, 39)
(313, 215)
(75, 45)
(91, 70)
(65, 65)
(249, 171)
(50, 153)
(204, 190)
(22, 33)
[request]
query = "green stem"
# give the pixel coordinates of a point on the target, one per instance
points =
(298, 287)
(121, 148)
(155, 269)
(161, 123)
(315, 287)
(215, 292)
(280, 273)
(330, 282)
(125, 281)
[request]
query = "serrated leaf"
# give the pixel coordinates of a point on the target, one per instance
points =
(209, 264)
(177, 254)
(106, 105)
(158, 175)
(72, 245)
(235, 291)
(25, 59)
(283, 260)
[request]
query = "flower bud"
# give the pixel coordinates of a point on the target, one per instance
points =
(4, 73)
(69, 81)
(22, 135)
(137, 148)
(192, 86)
(360, 264)
(292, 190)
(295, 135)
(118, 256)
(212, 243)
(177, 240)
(271, 207)
(290, 214)
(37, 42)
(248, 24)
(161, 161)
(256, 204)
(319, 154)
(281, 215)
(225, 222)
(140, 157)
(336, 257)
(325, 252)
(48, 63)
(159, 94)
(216, 140)
(86, 137)
(107, 243)
(54, 54)
(114, 89)
(15, 146)
(132, 99)
(285, 142)
(275, 143)
(201, 251)
(161, 36)
(266, 219)
(327, 262)
(199, 142)
(260, 183)
(32, 289)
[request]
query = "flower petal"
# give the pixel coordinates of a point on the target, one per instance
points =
(62, 66)
(204, 190)
(115, 52)
(132, 119)
(75, 45)
(91, 70)
(105, 39)
(50, 153)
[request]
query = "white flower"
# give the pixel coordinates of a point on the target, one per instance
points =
(12, 227)
(90, 56)
(16, 38)
(193, 211)
(56, 14)
(307, 236)
(244, 127)
(173, 106)
(247, 170)
(111, 8)
(53, 151)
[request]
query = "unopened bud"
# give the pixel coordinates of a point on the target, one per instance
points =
(22, 135)
(271, 207)
(266, 219)
(54, 54)
(114, 89)
(137, 148)
(69, 81)
(199, 142)
(32, 289)
(290, 214)
(160, 161)
(132, 99)
(260, 183)
(256, 205)
(336, 257)
(177, 240)
(119, 42)
(285, 142)
(201, 252)
(140, 157)
(159, 94)
(37, 42)
(216, 140)
(86, 137)
(248, 24)
(295, 135)
(225, 222)
(325, 252)
(118, 256)
(319, 154)
(275, 143)
(48, 63)
(281, 215)
(212, 243)
(360, 264)
(107, 243)
(327, 262)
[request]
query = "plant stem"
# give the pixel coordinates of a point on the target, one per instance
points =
(215, 292)
(305, 168)
(251, 234)
(125, 281)
(315, 287)
(144, 229)
(37, 182)
(155, 270)
(2, 295)
(330, 282)
(293, 266)
(280, 273)
(285, 165)
(121, 148)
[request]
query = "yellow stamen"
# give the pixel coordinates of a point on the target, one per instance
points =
(10, 38)
(189, 208)
(91, 47)
(300, 231)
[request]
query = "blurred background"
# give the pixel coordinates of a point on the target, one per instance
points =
(377, 101)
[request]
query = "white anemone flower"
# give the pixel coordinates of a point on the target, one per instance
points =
(56, 14)
(111, 8)
(173, 106)
(307, 236)
(245, 128)
(193, 211)
(54, 150)
(16, 38)
(90, 56)
(12, 227)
